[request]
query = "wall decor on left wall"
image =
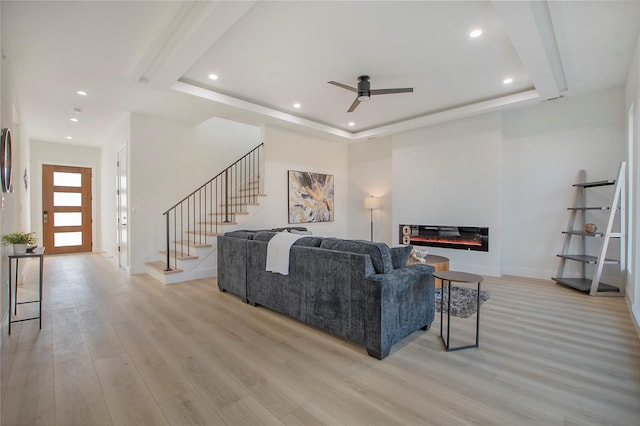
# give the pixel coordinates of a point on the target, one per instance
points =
(6, 166)
(310, 197)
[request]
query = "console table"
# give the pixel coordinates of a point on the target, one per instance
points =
(37, 253)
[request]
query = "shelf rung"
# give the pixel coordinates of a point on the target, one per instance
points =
(589, 208)
(588, 259)
(584, 284)
(584, 233)
(596, 183)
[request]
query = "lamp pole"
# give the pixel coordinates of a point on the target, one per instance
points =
(371, 210)
(371, 203)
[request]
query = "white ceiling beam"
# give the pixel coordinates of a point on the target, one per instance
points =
(529, 27)
(194, 28)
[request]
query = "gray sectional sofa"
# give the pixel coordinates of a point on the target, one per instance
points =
(345, 287)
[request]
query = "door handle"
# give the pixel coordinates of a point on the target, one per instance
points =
(45, 216)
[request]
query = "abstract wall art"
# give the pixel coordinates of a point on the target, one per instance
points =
(310, 197)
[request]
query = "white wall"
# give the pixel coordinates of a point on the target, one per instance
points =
(511, 171)
(108, 157)
(632, 97)
(365, 157)
(168, 160)
(450, 174)
(545, 146)
(289, 150)
(64, 155)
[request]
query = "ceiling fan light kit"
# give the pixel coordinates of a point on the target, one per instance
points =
(364, 91)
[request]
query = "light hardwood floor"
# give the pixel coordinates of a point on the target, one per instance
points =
(121, 350)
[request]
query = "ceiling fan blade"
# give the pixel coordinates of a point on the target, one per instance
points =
(388, 91)
(354, 105)
(344, 86)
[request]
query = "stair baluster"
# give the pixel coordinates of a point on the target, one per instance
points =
(236, 187)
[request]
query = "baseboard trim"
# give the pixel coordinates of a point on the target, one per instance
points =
(634, 309)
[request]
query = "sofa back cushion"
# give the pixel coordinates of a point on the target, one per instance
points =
(264, 235)
(309, 242)
(379, 252)
(246, 235)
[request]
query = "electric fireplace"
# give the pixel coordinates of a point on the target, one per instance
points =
(452, 237)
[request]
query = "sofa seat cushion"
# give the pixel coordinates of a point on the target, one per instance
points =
(379, 252)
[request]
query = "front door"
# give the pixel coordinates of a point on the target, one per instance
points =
(66, 209)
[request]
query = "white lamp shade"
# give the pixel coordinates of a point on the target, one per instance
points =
(372, 203)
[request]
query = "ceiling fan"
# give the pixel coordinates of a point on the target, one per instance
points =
(364, 91)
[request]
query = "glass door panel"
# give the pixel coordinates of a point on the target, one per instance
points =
(67, 179)
(67, 239)
(67, 219)
(68, 199)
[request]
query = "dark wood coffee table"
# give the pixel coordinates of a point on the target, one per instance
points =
(441, 263)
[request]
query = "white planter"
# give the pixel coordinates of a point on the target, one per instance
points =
(19, 248)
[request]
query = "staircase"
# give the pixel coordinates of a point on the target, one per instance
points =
(193, 223)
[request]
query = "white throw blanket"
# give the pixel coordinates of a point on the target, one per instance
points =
(278, 252)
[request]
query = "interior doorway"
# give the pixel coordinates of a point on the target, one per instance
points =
(66, 209)
(121, 194)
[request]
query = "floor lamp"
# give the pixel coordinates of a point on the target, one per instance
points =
(372, 203)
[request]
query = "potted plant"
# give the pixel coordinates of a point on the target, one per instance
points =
(20, 241)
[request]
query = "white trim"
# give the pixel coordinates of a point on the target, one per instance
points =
(255, 108)
(635, 315)
(426, 120)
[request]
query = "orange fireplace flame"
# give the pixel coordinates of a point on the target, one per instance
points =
(441, 240)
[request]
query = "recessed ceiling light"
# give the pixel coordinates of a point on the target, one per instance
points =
(75, 120)
(213, 77)
(351, 123)
(475, 33)
(81, 93)
(297, 105)
(69, 137)
(507, 80)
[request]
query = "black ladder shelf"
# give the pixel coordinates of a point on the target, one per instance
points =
(592, 284)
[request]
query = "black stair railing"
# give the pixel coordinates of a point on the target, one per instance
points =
(203, 213)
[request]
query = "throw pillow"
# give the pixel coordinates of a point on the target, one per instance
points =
(400, 256)
(417, 256)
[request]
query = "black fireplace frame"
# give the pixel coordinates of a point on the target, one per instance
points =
(474, 238)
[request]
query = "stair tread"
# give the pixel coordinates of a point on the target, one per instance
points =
(180, 255)
(205, 233)
(192, 244)
(230, 213)
(217, 223)
(240, 197)
(160, 265)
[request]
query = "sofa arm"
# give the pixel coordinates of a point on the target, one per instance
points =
(232, 265)
(398, 303)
